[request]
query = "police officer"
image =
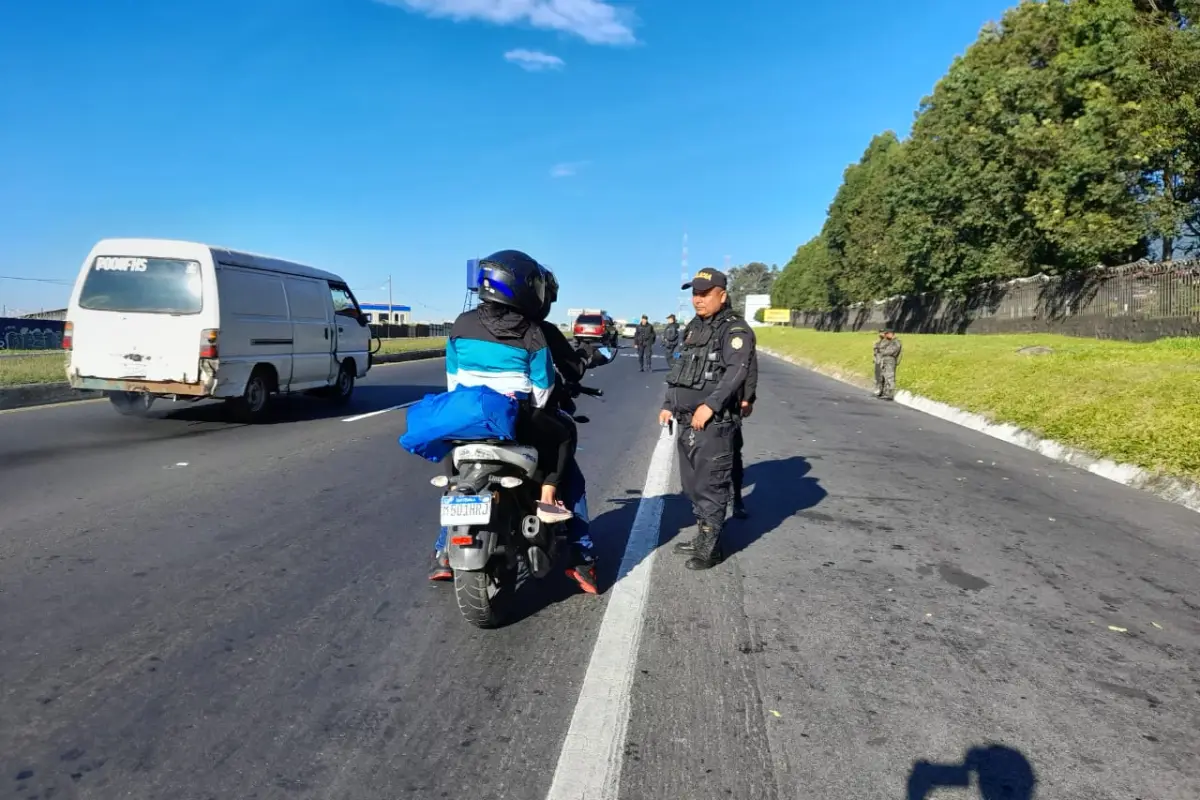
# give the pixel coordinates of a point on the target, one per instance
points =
(643, 339)
(704, 392)
(671, 338)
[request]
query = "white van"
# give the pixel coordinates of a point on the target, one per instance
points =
(153, 318)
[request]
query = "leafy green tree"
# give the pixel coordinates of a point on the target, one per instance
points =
(753, 278)
(1067, 136)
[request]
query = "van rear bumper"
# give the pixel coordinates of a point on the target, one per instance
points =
(204, 389)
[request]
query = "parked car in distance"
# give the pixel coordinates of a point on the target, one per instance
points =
(628, 331)
(596, 326)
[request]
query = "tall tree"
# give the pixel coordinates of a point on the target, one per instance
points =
(1065, 137)
(753, 278)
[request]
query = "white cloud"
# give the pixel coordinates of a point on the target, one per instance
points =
(594, 21)
(567, 169)
(532, 60)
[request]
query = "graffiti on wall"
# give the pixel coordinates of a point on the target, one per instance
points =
(31, 334)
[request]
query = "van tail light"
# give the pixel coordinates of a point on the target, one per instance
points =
(68, 339)
(208, 343)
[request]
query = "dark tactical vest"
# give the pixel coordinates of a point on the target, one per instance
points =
(700, 364)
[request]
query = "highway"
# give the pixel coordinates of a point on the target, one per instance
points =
(193, 609)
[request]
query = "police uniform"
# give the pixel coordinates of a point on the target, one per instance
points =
(711, 370)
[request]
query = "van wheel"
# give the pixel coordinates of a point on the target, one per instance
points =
(343, 388)
(255, 402)
(131, 404)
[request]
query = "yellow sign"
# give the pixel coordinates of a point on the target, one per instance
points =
(777, 315)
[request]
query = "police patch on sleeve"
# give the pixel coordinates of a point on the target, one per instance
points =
(736, 343)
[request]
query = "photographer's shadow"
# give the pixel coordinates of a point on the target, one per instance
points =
(1002, 773)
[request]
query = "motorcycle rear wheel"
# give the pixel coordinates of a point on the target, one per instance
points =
(485, 598)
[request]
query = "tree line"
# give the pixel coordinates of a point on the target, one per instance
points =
(1067, 136)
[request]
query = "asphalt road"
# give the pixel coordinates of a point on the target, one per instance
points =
(191, 608)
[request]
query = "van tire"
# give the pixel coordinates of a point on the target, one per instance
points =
(343, 388)
(131, 404)
(255, 403)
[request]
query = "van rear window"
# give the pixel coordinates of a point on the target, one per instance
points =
(142, 285)
(590, 319)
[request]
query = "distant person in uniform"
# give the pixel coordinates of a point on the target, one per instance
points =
(887, 358)
(643, 340)
(671, 338)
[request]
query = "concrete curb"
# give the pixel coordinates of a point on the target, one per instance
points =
(1180, 491)
(44, 394)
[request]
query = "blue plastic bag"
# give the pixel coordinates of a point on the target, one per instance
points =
(469, 412)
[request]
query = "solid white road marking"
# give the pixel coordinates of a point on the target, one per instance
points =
(589, 766)
(377, 413)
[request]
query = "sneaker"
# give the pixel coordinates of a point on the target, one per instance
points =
(585, 576)
(551, 514)
(441, 569)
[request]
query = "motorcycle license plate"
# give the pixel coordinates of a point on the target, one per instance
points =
(466, 510)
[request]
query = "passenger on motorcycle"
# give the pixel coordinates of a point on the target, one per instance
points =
(503, 344)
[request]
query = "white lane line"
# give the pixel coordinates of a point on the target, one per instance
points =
(589, 766)
(377, 413)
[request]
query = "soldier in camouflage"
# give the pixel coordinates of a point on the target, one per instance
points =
(887, 358)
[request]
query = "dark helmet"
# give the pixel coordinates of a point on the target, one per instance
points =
(512, 278)
(551, 296)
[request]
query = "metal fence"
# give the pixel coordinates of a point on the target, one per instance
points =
(1140, 301)
(415, 331)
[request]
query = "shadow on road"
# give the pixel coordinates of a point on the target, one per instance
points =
(306, 408)
(1001, 773)
(774, 490)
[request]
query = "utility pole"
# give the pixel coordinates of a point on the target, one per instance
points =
(685, 275)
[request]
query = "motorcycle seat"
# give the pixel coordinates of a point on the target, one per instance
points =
(521, 456)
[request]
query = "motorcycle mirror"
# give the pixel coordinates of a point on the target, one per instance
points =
(606, 353)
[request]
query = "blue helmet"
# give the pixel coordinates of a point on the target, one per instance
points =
(512, 278)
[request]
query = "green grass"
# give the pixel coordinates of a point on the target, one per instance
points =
(50, 367)
(39, 367)
(1135, 403)
(391, 346)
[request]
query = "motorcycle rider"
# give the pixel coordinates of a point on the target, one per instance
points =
(511, 279)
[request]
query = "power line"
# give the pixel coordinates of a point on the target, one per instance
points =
(59, 281)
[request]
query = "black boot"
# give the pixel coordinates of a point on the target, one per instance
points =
(706, 548)
(688, 546)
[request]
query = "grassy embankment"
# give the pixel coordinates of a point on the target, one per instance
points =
(42, 367)
(1134, 403)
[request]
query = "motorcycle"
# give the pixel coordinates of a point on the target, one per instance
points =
(489, 508)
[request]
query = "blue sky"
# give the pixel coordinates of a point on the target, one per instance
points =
(401, 137)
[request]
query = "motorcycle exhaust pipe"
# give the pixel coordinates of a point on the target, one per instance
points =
(531, 527)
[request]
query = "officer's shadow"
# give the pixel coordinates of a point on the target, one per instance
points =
(774, 491)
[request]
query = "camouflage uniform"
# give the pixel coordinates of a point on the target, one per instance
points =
(887, 357)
